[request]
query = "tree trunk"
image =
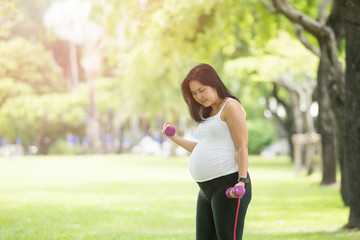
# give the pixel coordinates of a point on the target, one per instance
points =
(295, 116)
(293, 122)
(336, 87)
(326, 118)
(43, 144)
(43, 141)
(92, 127)
(351, 13)
(119, 135)
(74, 67)
(309, 127)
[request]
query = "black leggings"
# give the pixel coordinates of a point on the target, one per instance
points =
(215, 213)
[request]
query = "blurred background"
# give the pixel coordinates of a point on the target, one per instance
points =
(101, 77)
(81, 77)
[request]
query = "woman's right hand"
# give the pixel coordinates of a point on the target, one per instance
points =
(165, 126)
(186, 144)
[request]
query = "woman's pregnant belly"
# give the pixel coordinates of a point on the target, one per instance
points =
(212, 159)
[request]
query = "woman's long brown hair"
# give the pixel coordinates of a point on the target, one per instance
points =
(207, 76)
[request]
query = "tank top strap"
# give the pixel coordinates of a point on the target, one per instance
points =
(224, 105)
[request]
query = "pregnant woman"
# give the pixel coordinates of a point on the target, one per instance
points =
(220, 159)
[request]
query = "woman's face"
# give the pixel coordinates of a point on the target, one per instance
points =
(205, 95)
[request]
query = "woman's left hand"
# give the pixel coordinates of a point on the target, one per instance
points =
(232, 190)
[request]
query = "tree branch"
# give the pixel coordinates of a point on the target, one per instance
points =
(269, 7)
(299, 33)
(312, 26)
(278, 99)
(283, 122)
(288, 82)
(322, 10)
(336, 22)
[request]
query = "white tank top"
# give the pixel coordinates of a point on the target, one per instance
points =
(215, 154)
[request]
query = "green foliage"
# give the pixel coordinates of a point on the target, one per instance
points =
(261, 133)
(167, 38)
(108, 96)
(61, 147)
(283, 54)
(30, 63)
(309, 7)
(7, 12)
(10, 88)
(33, 118)
(151, 47)
(249, 77)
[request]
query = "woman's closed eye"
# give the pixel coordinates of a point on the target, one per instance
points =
(200, 91)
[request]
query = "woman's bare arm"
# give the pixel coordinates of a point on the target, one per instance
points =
(182, 142)
(234, 115)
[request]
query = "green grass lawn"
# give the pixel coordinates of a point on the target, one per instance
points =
(138, 197)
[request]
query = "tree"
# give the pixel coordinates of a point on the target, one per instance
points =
(168, 37)
(70, 21)
(31, 64)
(46, 118)
(67, 19)
(29, 24)
(344, 102)
(10, 88)
(330, 80)
(285, 79)
(91, 63)
(351, 12)
(27, 69)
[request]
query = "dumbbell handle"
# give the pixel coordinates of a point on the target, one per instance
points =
(237, 190)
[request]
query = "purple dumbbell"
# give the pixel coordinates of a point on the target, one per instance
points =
(170, 131)
(238, 191)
